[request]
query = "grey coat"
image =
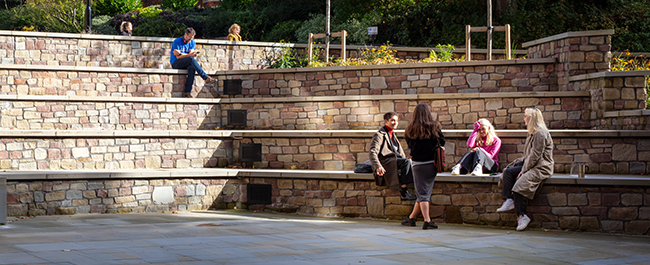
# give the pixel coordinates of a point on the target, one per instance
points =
(381, 154)
(537, 163)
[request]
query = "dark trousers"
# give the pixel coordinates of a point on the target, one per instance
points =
(472, 158)
(508, 181)
(405, 171)
(192, 67)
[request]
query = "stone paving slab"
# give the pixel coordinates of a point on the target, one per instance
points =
(242, 237)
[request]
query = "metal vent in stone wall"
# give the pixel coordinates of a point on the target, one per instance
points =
(237, 117)
(259, 193)
(232, 86)
(250, 152)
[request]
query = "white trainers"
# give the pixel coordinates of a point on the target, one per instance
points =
(522, 222)
(455, 170)
(478, 170)
(508, 205)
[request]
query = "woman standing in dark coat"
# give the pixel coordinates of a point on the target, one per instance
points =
(422, 136)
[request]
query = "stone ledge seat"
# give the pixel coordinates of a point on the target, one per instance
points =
(561, 179)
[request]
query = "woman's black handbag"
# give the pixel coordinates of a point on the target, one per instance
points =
(439, 155)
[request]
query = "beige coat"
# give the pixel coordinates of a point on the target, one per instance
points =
(381, 154)
(537, 163)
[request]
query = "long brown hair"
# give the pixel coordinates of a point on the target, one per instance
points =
(423, 125)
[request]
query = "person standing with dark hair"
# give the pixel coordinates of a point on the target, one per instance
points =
(182, 57)
(389, 164)
(422, 136)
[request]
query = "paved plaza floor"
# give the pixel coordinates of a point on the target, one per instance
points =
(242, 237)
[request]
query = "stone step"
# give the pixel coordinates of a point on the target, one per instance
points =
(64, 175)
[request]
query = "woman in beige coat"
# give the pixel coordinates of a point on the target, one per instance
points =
(522, 177)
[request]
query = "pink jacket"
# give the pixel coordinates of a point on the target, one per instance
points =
(491, 150)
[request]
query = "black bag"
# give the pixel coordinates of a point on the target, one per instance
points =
(439, 157)
(365, 167)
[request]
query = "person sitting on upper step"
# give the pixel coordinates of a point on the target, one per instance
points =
(483, 154)
(182, 57)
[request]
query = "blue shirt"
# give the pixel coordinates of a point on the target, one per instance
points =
(182, 47)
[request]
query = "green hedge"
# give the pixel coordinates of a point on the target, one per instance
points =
(423, 23)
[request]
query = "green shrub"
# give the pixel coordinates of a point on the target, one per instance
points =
(357, 30)
(159, 27)
(45, 15)
(283, 31)
(149, 12)
(101, 25)
(113, 7)
(178, 4)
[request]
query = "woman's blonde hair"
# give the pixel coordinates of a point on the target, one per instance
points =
(489, 138)
(123, 25)
(536, 121)
(233, 27)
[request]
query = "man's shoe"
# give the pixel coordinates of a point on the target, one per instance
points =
(407, 196)
(187, 94)
(455, 170)
(522, 222)
(429, 225)
(508, 205)
(408, 222)
(478, 170)
(210, 80)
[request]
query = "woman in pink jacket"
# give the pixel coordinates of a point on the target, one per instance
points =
(483, 155)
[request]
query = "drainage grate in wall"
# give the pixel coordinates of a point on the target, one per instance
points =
(258, 193)
(250, 152)
(237, 117)
(232, 86)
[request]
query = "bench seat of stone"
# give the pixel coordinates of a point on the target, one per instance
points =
(562, 179)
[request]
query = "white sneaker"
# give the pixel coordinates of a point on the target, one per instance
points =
(508, 205)
(478, 170)
(455, 170)
(522, 222)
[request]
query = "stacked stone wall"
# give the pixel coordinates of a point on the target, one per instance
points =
(46, 115)
(609, 155)
(393, 80)
(144, 52)
(453, 113)
(113, 153)
(567, 207)
(98, 83)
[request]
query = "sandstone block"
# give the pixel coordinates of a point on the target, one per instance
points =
(637, 227)
(623, 213)
(569, 222)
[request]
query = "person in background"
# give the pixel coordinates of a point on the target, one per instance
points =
(389, 164)
(422, 136)
(483, 154)
(234, 33)
(182, 57)
(126, 28)
(521, 178)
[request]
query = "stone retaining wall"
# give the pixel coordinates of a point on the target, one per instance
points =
(47, 115)
(35, 48)
(461, 77)
(88, 82)
(604, 155)
(561, 112)
(568, 207)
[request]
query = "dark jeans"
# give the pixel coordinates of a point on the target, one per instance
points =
(405, 171)
(472, 158)
(508, 181)
(192, 66)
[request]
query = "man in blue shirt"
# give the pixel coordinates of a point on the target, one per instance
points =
(182, 57)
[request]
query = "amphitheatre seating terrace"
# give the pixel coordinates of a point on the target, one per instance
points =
(90, 124)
